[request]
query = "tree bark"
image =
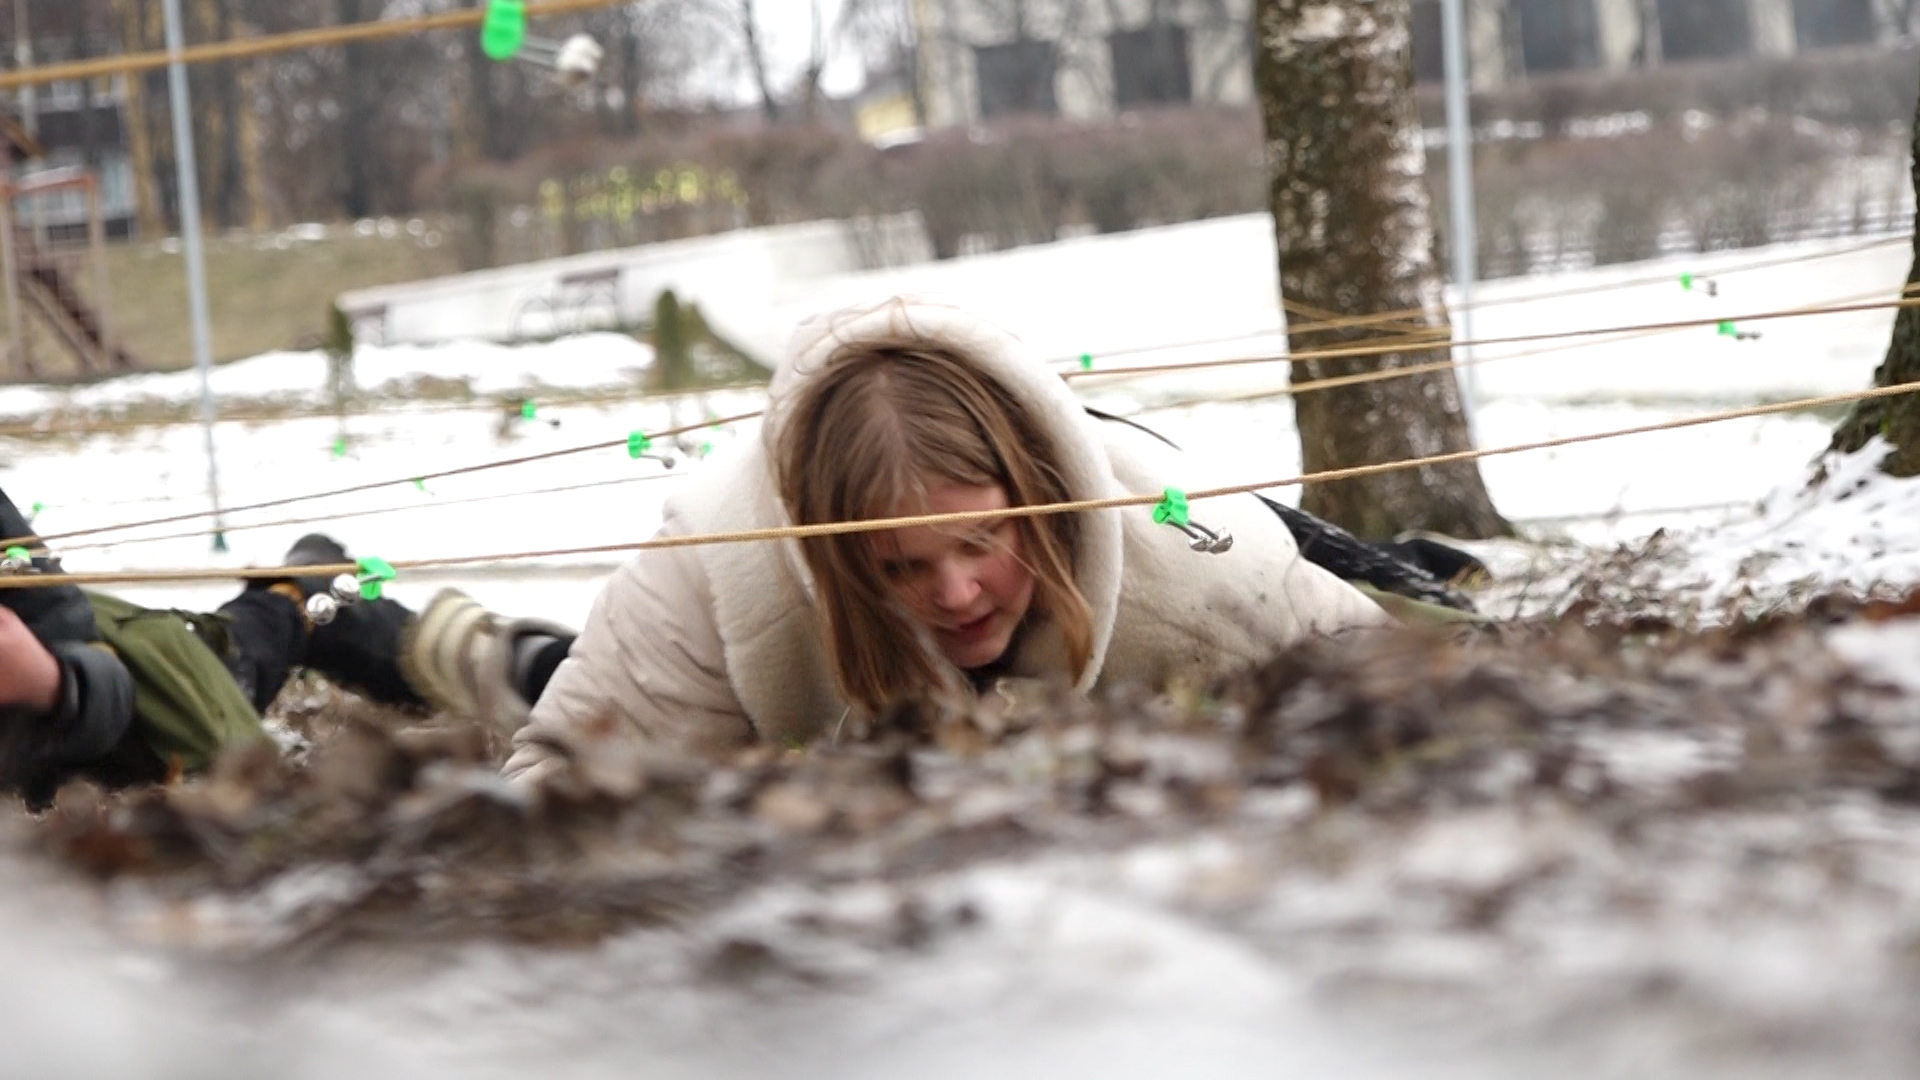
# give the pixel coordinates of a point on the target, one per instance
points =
(488, 124)
(356, 120)
(629, 122)
(1351, 214)
(231, 185)
(757, 61)
(1896, 419)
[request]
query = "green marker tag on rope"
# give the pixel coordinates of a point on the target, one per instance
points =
(422, 485)
(1172, 508)
(1686, 281)
(340, 447)
(638, 444)
(39, 508)
(1086, 361)
(20, 553)
(529, 410)
(505, 29)
(374, 575)
(1727, 329)
(706, 448)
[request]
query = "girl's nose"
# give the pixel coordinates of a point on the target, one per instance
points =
(957, 587)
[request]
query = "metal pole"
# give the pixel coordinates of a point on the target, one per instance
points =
(183, 157)
(1465, 241)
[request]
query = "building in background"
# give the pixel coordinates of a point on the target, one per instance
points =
(79, 124)
(983, 59)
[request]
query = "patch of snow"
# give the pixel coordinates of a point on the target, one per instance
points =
(1855, 529)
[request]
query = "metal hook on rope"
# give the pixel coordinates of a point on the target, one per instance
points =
(503, 36)
(573, 62)
(1205, 540)
(349, 589)
(1172, 510)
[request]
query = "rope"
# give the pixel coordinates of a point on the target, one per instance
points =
(247, 48)
(1322, 384)
(1630, 283)
(1518, 339)
(801, 532)
(1385, 374)
(1414, 325)
(35, 429)
(324, 519)
(355, 489)
(1352, 321)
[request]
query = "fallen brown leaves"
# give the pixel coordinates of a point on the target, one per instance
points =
(424, 839)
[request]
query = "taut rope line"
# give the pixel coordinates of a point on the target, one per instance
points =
(376, 484)
(798, 532)
(1385, 374)
(1356, 321)
(247, 48)
(1517, 339)
(1360, 377)
(432, 504)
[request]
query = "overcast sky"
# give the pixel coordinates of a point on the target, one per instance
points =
(788, 26)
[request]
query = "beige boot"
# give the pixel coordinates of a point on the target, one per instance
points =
(459, 656)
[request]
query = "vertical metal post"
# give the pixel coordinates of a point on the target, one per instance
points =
(10, 266)
(183, 155)
(103, 299)
(1465, 241)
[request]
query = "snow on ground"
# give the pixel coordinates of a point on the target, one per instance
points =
(1082, 963)
(587, 361)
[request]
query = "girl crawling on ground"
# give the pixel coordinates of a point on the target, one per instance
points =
(902, 409)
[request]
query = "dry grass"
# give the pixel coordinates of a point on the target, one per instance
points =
(262, 295)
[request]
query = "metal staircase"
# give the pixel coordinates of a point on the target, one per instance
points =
(48, 293)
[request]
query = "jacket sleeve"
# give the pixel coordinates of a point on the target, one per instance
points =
(55, 614)
(647, 673)
(96, 704)
(95, 707)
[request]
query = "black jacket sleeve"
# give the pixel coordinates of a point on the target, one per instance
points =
(54, 614)
(96, 704)
(96, 691)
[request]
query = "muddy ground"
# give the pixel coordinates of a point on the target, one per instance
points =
(1598, 846)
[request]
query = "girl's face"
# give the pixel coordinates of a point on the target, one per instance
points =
(967, 583)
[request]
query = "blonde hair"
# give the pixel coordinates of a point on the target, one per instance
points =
(866, 435)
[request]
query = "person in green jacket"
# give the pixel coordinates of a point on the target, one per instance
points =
(93, 686)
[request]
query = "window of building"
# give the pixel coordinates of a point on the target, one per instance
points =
(1015, 78)
(116, 185)
(109, 91)
(1429, 49)
(1822, 23)
(1557, 35)
(1703, 29)
(1151, 66)
(63, 96)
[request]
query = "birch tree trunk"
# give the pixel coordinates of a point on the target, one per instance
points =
(1897, 419)
(1351, 214)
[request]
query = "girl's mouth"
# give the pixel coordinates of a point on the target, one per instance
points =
(976, 628)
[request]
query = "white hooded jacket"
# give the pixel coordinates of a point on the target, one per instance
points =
(703, 649)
